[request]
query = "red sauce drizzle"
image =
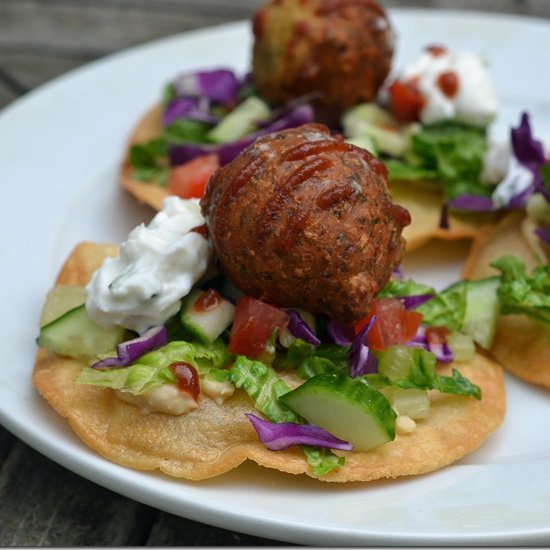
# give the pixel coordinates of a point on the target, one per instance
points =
(201, 230)
(232, 187)
(281, 195)
(333, 195)
(208, 300)
(304, 150)
(436, 50)
(448, 82)
(294, 226)
(187, 377)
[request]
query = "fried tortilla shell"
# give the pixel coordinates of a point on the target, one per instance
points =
(149, 127)
(521, 345)
(217, 438)
(424, 205)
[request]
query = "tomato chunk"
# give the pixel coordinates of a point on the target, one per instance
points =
(253, 323)
(189, 180)
(394, 324)
(406, 101)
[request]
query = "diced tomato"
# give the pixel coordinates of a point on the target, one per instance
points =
(253, 323)
(189, 180)
(406, 101)
(394, 324)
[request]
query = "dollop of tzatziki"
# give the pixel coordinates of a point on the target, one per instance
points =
(472, 98)
(156, 268)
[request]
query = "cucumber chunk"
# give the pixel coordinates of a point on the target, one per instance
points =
(347, 408)
(205, 325)
(76, 334)
(60, 299)
(482, 309)
(241, 121)
(412, 402)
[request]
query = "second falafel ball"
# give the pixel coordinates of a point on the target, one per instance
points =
(303, 219)
(340, 48)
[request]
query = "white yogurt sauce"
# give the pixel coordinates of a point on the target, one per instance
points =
(156, 268)
(475, 101)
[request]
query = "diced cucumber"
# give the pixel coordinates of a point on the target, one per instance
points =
(401, 362)
(369, 121)
(462, 345)
(482, 308)
(60, 299)
(408, 401)
(77, 335)
(347, 408)
(241, 121)
(365, 142)
(205, 325)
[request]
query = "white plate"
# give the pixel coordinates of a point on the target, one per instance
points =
(60, 149)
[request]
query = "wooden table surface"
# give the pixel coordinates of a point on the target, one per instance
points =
(41, 503)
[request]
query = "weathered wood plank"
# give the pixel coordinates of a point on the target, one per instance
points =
(170, 530)
(7, 441)
(42, 504)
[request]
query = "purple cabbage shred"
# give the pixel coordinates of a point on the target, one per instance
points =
(360, 359)
(131, 350)
(280, 436)
(300, 329)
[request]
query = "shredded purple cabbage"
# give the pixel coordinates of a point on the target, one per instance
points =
(190, 108)
(180, 154)
(280, 436)
(410, 302)
(398, 273)
(300, 329)
(472, 203)
(360, 359)
(342, 335)
(219, 85)
(442, 352)
(131, 350)
(530, 153)
(543, 233)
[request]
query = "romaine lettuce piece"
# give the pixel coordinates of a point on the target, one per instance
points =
(134, 379)
(523, 293)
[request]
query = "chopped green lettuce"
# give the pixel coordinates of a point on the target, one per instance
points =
(397, 288)
(418, 371)
(202, 356)
(134, 379)
(263, 386)
(447, 308)
(449, 153)
(153, 368)
(150, 159)
(522, 293)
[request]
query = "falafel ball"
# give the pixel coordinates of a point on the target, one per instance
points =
(342, 49)
(303, 219)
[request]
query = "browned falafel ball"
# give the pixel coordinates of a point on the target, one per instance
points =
(303, 219)
(340, 48)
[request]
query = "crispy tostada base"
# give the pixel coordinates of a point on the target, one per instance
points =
(521, 345)
(217, 438)
(149, 127)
